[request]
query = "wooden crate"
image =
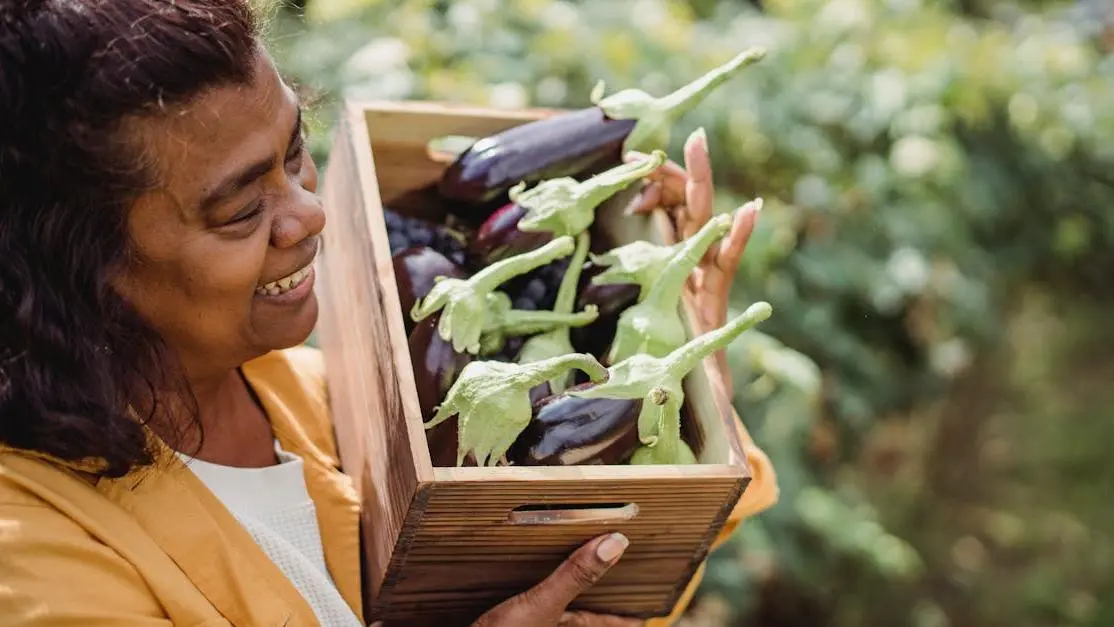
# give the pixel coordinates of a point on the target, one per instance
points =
(445, 544)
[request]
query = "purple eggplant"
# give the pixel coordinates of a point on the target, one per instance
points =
(634, 416)
(490, 402)
(615, 281)
(574, 143)
(436, 368)
(416, 269)
(437, 365)
(499, 237)
(611, 300)
(553, 208)
(570, 431)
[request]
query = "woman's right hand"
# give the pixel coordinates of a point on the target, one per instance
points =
(544, 604)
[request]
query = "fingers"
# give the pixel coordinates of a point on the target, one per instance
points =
(648, 200)
(699, 190)
(731, 248)
(586, 619)
(665, 186)
(579, 572)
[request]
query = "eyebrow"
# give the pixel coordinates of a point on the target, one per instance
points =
(234, 183)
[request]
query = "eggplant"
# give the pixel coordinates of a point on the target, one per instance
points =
(570, 431)
(570, 144)
(490, 401)
(436, 368)
(643, 395)
(437, 365)
(653, 326)
(416, 270)
(553, 208)
(499, 237)
(567, 144)
(611, 300)
(616, 281)
(464, 303)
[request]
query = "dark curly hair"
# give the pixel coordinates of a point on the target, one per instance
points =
(74, 357)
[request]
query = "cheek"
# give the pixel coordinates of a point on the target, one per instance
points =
(200, 293)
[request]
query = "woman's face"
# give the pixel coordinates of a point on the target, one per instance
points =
(223, 245)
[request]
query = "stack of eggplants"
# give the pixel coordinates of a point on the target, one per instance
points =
(532, 344)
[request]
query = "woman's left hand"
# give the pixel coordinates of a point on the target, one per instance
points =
(686, 195)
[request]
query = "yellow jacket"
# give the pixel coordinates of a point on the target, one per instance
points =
(156, 548)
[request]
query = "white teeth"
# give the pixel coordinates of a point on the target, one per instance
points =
(274, 288)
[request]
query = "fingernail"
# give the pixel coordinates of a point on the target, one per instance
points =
(612, 547)
(700, 134)
(754, 205)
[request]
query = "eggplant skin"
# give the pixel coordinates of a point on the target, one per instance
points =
(567, 144)
(499, 237)
(436, 368)
(570, 431)
(416, 269)
(612, 300)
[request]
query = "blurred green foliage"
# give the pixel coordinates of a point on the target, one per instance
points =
(927, 168)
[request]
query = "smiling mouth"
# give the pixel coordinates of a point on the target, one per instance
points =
(286, 283)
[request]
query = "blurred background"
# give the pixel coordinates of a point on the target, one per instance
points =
(936, 387)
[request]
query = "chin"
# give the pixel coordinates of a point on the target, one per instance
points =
(286, 331)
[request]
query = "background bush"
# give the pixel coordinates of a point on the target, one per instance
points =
(939, 185)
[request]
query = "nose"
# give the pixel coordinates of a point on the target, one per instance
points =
(303, 218)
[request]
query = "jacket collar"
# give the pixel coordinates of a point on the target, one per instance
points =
(211, 547)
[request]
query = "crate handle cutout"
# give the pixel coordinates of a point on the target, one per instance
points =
(572, 513)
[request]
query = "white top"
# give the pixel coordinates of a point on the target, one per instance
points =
(273, 504)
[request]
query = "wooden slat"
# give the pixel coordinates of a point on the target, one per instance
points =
(374, 449)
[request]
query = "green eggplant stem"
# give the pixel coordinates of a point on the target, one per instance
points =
(639, 262)
(466, 302)
(538, 372)
(666, 292)
(566, 292)
(526, 322)
(655, 379)
(667, 417)
(604, 185)
(686, 98)
(566, 207)
(656, 116)
(685, 358)
(502, 271)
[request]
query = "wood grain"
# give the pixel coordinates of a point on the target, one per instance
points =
(467, 556)
(354, 329)
(441, 544)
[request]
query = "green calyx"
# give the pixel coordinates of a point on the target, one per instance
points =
(656, 116)
(557, 342)
(653, 326)
(639, 263)
(491, 400)
(658, 382)
(565, 206)
(503, 322)
(465, 301)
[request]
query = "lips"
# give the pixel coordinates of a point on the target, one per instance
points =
(294, 279)
(286, 283)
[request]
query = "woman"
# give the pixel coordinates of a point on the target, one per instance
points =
(166, 455)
